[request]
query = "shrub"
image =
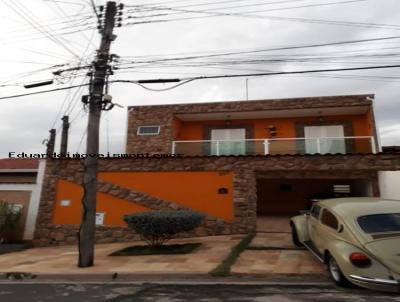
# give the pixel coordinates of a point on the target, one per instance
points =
(9, 222)
(157, 227)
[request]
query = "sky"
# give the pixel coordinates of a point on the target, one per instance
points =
(38, 37)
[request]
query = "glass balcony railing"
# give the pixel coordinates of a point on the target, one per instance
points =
(332, 145)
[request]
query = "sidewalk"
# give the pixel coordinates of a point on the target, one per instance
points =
(63, 260)
(276, 265)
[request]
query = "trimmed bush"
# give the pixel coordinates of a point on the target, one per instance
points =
(157, 227)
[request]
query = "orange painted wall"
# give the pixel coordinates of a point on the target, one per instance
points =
(195, 190)
(362, 126)
(114, 208)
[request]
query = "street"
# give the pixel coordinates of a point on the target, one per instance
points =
(20, 292)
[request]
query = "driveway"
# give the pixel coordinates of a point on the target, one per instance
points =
(272, 253)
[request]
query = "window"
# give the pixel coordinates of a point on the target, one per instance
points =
(148, 130)
(380, 223)
(315, 210)
(329, 219)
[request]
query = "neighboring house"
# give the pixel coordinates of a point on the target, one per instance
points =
(389, 180)
(235, 162)
(20, 185)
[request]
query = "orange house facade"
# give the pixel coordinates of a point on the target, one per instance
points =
(236, 162)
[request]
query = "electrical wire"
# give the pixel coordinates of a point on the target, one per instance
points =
(40, 92)
(63, 13)
(138, 6)
(95, 11)
(69, 109)
(211, 13)
(275, 49)
(19, 9)
(190, 79)
(178, 10)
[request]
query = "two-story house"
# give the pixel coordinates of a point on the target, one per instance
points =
(234, 161)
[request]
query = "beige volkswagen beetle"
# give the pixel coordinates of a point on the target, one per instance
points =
(357, 238)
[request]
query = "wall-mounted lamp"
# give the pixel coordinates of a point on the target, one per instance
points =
(272, 130)
(222, 191)
(228, 122)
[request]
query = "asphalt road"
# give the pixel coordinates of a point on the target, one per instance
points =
(18, 292)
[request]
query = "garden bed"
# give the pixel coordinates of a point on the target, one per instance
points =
(168, 249)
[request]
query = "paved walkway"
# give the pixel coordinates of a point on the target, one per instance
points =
(56, 260)
(274, 223)
(273, 240)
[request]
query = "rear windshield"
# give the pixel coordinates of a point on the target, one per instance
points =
(380, 223)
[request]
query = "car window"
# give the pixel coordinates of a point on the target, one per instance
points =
(315, 210)
(380, 223)
(328, 219)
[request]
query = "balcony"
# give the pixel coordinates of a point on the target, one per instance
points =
(274, 146)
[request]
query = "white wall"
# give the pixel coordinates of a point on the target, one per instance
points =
(389, 184)
(34, 202)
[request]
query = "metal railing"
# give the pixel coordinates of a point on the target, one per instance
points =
(302, 145)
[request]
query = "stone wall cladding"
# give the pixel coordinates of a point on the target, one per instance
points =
(245, 170)
(163, 116)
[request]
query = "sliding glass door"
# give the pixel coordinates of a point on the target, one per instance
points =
(324, 139)
(228, 142)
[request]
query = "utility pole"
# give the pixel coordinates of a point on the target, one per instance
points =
(247, 89)
(64, 135)
(96, 104)
(51, 143)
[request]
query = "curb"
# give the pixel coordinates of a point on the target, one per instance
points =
(165, 278)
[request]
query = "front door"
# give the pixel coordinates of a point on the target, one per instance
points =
(228, 141)
(324, 139)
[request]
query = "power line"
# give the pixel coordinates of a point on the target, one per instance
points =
(264, 50)
(181, 11)
(67, 111)
(58, 21)
(40, 92)
(95, 10)
(81, 33)
(211, 3)
(19, 9)
(190, 79)
(211, 13)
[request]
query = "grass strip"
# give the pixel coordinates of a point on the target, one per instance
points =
(224, 268)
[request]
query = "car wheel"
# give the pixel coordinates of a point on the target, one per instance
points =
(295, 237)
(336, 273)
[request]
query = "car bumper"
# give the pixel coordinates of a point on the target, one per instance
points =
(376, 282)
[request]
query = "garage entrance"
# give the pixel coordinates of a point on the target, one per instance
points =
(280, 199)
